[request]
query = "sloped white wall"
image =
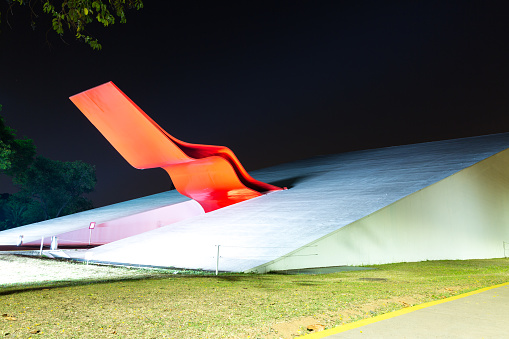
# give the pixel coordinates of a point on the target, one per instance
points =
(464, 216)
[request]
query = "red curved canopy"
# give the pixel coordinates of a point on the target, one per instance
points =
(211, 175)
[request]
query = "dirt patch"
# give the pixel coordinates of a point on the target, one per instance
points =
(450, 289)
(404, 301)
(294, 328)
(298, 327)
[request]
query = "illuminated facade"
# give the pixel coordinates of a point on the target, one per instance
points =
(430, 201)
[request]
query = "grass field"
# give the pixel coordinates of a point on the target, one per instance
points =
(233, 305)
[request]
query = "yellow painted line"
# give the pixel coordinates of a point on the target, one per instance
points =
(363, 322)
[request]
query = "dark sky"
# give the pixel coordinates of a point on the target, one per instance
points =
(275, 81)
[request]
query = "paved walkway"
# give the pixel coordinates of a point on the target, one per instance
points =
(478, 314)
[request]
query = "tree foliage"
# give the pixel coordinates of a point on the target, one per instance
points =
(56, 185)
(47, 188)
(6, 137)
(17, 210)
(76, 15)
(15, 154)
(5, 156)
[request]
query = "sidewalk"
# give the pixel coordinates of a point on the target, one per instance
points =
(478, 314)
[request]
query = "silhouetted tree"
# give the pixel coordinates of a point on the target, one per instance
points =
(57, 186)
(15, 154)
(47, 188)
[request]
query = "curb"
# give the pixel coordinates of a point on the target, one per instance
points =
(363, 322)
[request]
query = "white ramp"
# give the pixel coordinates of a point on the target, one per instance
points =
(325, 194)
(68, 223)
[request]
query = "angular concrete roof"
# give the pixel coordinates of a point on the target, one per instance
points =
(325, 193)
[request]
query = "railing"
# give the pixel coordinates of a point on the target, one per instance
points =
(219, 250)
(53, 243)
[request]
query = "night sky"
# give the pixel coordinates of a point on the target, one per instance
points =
(275, 81)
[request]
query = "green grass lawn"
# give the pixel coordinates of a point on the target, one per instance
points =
(233, 305)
